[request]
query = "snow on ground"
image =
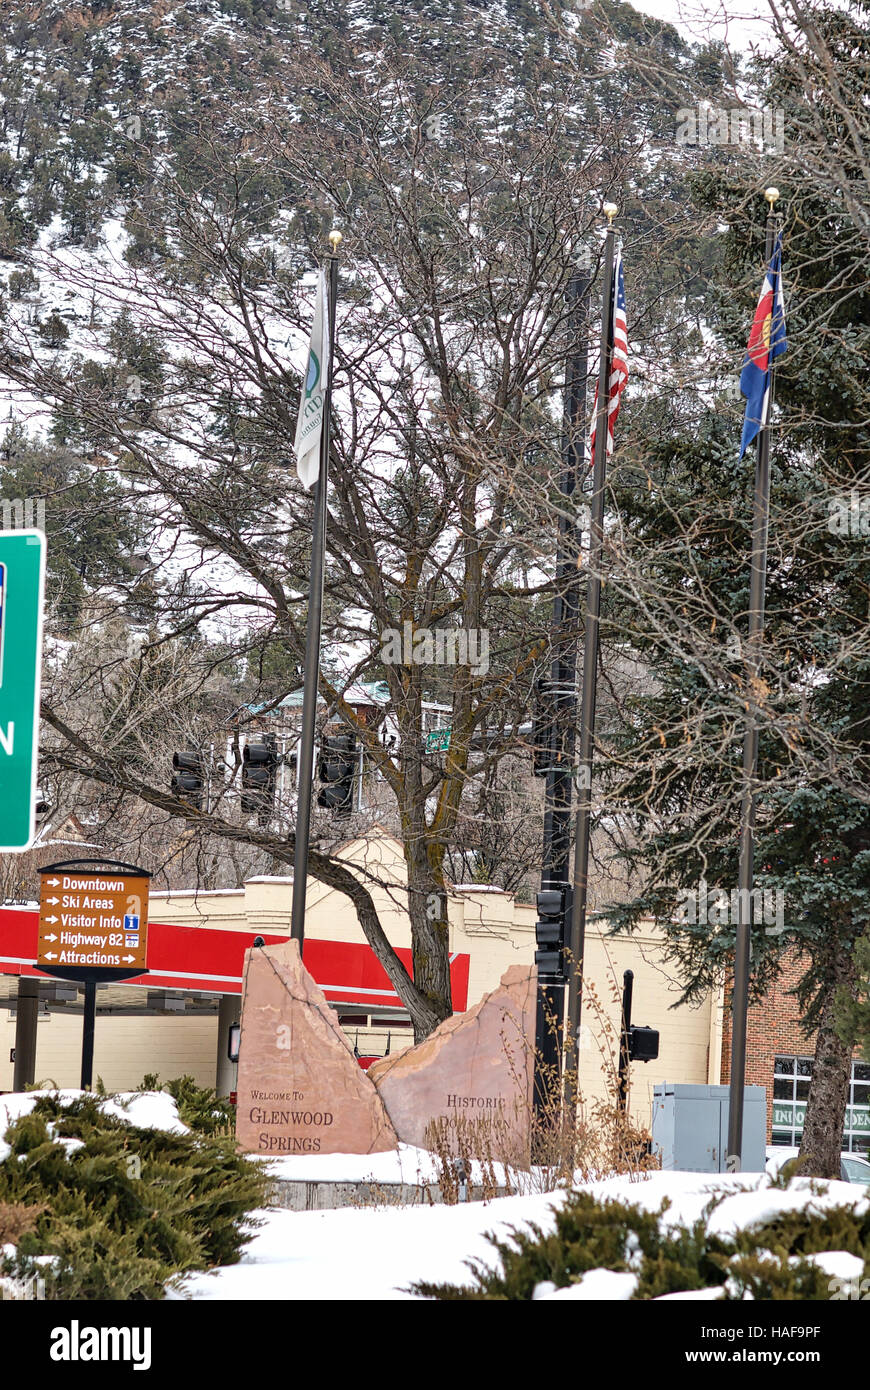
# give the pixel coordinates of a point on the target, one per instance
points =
(377, 1252)
(749, 1200)
(757, 1208)
(406, 1164)
(364, 1252)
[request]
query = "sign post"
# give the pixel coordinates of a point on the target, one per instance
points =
(22, 585)
(93, 928)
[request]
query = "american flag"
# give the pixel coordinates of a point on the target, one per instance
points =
(618, 360)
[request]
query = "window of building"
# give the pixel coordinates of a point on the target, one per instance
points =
(791, 1088)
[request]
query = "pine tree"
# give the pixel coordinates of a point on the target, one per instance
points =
(813, 818)
(89, 520)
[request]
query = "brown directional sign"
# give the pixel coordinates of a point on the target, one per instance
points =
(92, 920)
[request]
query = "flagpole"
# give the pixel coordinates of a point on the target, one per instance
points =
(590, 680)
(758, 579)
(305, 767)
(561, 691)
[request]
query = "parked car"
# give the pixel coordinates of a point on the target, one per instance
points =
(853, 1168)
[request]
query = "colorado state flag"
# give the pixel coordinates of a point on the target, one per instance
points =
(766, 341)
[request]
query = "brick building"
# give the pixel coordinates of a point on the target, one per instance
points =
(779, 1056)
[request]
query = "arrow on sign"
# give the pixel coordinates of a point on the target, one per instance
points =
(52, 900)
(51, 919)
(128, 959)
(53, 882)
(51, 938)
(49, 955)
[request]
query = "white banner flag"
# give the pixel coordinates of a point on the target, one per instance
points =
(309, 426)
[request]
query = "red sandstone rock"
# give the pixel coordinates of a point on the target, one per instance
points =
(300, 1088)
(475, 1067)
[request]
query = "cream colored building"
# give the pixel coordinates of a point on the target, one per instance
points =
(138, 1031)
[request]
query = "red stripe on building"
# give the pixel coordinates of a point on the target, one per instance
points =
(210, 961)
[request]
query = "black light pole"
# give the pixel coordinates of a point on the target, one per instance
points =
(89, 1022)
(757, 583)
(560, 692)
(625, 1039)
(305, 769)
(26, 1015)
(590, 678)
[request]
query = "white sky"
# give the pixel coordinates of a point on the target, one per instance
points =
(742, 24)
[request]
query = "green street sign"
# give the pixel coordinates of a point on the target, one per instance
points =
(22, 583)
(438, 741)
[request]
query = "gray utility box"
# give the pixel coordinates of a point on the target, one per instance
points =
(690, 1127)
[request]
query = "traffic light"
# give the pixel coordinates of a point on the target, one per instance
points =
(554, 712)
(549, 930)
(259, 764)
(643, 1043)
(187, 779)
(542, 729)
(337, 770)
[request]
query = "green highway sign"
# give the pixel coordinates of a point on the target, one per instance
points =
(438, 741)
(22, 584)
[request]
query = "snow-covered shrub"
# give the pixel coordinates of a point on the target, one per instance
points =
(776, 1259)
(199, 1107)
(124, 1208)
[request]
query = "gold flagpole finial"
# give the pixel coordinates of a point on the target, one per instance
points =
(771, 194)
(610, 210)
(335, 240)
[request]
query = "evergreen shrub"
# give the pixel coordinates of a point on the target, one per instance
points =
(766, 1262)
(122, 1209)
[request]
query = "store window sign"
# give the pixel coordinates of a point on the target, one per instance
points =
(790, 1115)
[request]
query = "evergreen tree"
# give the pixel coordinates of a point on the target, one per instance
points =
(89, 520)
(813, 701)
